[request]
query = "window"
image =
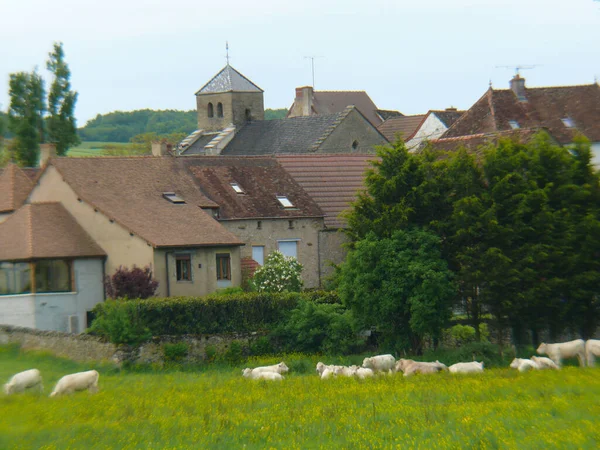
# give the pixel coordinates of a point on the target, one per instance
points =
(568, 122)
(354, 145)
(514, 124)
(291, 224)
(288, 248)
(236, 187)
(173, 197)
(15, 278)
(248, 115)
(285, 201)
(258, 254)
(53, 275)
(223, 266)
(183, 264)
(210, 110)
(219, 109)
(259, 225)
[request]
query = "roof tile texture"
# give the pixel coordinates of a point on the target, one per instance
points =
(405, 126)
(15, 186)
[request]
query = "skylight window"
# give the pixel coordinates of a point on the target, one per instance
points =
(173, 197)
(285, 201)
(514, 124)
(568, 122)
(237, 188)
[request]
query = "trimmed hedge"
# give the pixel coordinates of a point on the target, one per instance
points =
(213, 314)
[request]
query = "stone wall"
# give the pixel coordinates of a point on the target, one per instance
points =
(84, 348)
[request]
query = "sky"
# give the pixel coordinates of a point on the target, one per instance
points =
(410, 56)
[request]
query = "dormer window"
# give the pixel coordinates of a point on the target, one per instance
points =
(237, 188)
(173, 197)
(514, 124)
(284, 201)
(568, 122)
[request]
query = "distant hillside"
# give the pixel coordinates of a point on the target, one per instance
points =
(121, 126)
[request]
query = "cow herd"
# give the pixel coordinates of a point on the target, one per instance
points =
(585, 352)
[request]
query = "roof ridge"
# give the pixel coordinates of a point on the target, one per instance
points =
(336, 91)
(553, 87)
(330, 129)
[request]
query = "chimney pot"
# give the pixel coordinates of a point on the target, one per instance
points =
(159, 148)
(47, 151)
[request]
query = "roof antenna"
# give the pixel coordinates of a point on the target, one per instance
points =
(312, 62)
(227, 51)
(519, 67)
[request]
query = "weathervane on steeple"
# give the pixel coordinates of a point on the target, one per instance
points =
(227, 51)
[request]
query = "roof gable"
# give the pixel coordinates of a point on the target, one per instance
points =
(406, 126)
(330, 102)
(15, 186)
(45, 230)
(228, 80)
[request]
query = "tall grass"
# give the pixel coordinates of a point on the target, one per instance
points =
(217, 408)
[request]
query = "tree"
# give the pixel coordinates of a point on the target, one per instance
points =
(278, 274)
(25, 116)
(400, 285)
(60, 122)
(131, 283)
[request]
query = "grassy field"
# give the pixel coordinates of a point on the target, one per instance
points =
(92, 148)
(217, 408)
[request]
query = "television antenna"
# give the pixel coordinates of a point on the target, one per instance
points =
(312, 63)
(519, 67)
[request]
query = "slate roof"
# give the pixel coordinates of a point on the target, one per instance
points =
(228, 80)
(544, 107)
(197, 148)
(330, 102)
(261, 178)
(448, 116)
(295, 135)
(406, 126)
(129, 190)
(15, 186)
(331, 180)
(388, 114)
(45, 230)
(474, 142)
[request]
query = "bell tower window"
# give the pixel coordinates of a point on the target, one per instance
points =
(219, 109)
(248, 115)
(210, 110)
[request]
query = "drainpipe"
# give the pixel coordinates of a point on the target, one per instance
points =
(167, 269)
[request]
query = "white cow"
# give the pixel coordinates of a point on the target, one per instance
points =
(544, 363)
(273, 376)
(468, 367)
(363, 373)
(561, 350)
(523, 365)
(327, 373)
(380, 363)
(77, 382)
(592, 349)
(410, 367)
(279, 368)
(24, 380)
(344, 371)
(321, 368)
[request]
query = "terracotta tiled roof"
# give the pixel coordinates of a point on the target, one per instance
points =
(544, 107)
(332, 180)
(261, 179)
(475, 141)
(44, 230)
(130, 191)
(405, 126)
(15, 185)
(330, 102)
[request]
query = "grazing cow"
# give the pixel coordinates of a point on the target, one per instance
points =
(327, 373)
(380, 363)
(322, 367)
(363, 373)
(544, 363)
(523, 365)
(279, 368)
(592, 349)
(273, 376)
(345, 371)
(77, 382)
(468, 367)
(410, 367)
(561, 350)
(24, 380)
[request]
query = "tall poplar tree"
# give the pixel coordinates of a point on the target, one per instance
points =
(25, 115)
(61, 126)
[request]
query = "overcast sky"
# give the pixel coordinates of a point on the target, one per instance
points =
(411, 56)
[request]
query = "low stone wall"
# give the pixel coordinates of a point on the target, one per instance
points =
(83, 347)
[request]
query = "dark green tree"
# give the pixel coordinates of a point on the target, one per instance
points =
(60, 123)
(25, 116)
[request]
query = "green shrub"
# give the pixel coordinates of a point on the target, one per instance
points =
(229, 291)
(211, 353)
(261, 346)
(175, 352)
(235, 354)
(121, 322)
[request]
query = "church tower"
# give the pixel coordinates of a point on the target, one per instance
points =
(228, 98)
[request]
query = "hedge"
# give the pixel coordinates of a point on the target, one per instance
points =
(213, 314)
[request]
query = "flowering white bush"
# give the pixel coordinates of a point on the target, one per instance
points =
(278, 274)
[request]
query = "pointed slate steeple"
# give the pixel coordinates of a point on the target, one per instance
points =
(228, 80)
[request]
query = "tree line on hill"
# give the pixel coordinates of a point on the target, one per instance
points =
(122, 126)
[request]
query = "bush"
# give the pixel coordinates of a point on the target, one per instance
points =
(131, 283)
(175, 352)
(278, 274)
(120, 322)
(318, 327)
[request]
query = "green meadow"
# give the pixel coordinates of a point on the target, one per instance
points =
(92, 148)
(214, 407)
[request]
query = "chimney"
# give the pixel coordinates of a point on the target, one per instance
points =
(304, 99)
(517, 85)
(47, 151)
(159, 148)
(451, 109)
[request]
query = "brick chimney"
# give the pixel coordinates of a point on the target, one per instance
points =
(47, 151)
(159, 148)
(303, 102)
(517, 85)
